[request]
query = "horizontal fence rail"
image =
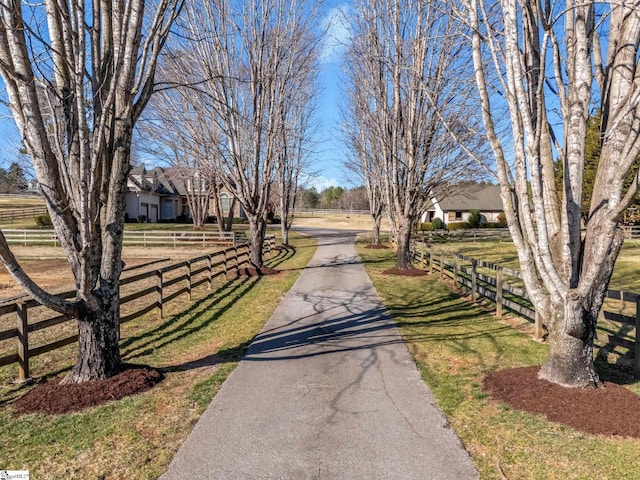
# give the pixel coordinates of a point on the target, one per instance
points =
(27, 237)
(504, 287)
(631, 231)
(22, 213)
(470, 234)
(329, 211)
(158, 286)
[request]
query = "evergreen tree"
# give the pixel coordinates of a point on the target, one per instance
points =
(593, 147)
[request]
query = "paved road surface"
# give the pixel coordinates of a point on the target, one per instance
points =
(326, 391)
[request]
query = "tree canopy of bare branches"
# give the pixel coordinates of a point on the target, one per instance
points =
(250, 59)
(552, 63)
(406, 67)
(177, 130)
(77, 76)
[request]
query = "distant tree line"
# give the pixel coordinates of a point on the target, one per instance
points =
(334, 198)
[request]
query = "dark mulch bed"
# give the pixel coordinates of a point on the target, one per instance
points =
(52, 398)
(609, 410)
(379, 246)
(256, 272)
(411, 272)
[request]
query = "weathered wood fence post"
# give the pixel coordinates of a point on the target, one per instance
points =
(189, 296)
(455, 270)
(209, 272)
(159, 293)
(441, 266)
(474, 279)
(430, 260)
(23, 342)
(537, 334)
(499, 292)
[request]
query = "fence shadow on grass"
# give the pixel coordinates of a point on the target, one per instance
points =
(283, 253)
(619, 372)
(226, 355)
(200, 315)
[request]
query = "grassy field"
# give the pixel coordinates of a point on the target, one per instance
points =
(355, 221)
(197, 345)
(16, 202)
(455, 343)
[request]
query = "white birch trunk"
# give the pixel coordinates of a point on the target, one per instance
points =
(566, 268)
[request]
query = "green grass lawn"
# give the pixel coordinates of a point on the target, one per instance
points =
(136, 438)
(455, 343)
(625, 275)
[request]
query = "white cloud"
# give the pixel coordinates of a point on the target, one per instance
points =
(337, 35)
(320, 182)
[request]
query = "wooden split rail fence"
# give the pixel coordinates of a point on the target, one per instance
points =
(467, 234)
(157, 287)
(503, 286)
(22, 213)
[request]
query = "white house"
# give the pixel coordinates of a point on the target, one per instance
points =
(141, 197)
(457, 206)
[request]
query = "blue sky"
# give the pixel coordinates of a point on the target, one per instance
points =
(329, 156)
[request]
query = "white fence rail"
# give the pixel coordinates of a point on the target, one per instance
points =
(27, 237)
(324, 212)
(631, 231)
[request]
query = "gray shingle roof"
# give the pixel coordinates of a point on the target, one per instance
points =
(475, 197)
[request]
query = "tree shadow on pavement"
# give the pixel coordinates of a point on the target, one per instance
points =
(357, 322)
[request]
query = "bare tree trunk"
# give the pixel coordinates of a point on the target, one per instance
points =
(377, 220)
(572, 328)
(400, 84)
(248, 75)
(229, 224)
(403, 238)
(570, 359)
(98, 339)
(257, 231)
(76, 118)
(566, 271)
(217, 205)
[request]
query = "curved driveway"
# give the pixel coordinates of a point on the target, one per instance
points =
(327, 390)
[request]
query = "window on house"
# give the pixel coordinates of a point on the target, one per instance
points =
(459, 216)
(225, 202)
(197, 184)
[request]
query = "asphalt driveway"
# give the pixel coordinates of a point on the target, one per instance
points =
(327, 390)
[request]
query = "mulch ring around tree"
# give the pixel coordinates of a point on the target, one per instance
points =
(410, 272)
(377, 246)
(53, 399)
(608, 410)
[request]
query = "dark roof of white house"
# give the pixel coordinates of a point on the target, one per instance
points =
(474, 197)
